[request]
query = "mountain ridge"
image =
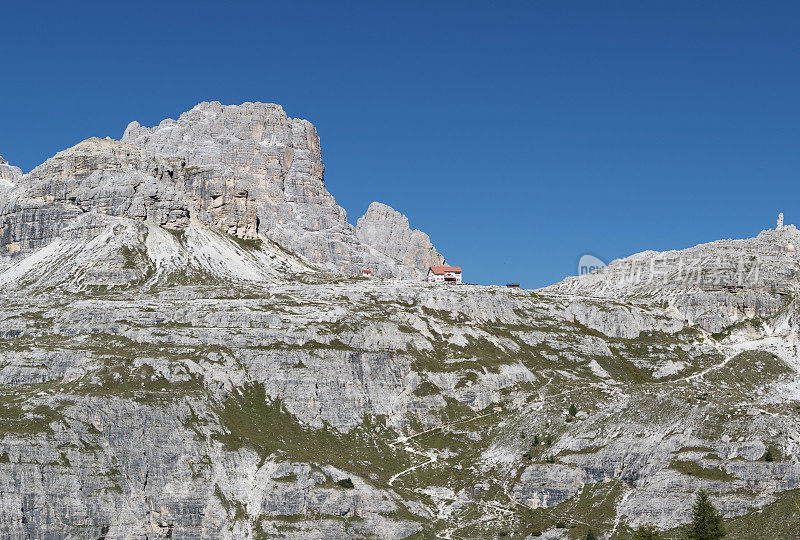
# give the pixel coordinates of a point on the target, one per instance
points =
(277, 192)
(185, 352)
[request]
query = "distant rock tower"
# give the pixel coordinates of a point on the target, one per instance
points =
(780, 222)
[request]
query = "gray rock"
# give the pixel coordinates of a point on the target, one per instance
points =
(387, 231)
(169, 368)
(713, 285)
(273, 165)
(9, 175)
(248, 171)
(96, 176)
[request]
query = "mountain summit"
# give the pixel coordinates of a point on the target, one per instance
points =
(8, 174)
(712, 285)
(185, 353)
(247, 171)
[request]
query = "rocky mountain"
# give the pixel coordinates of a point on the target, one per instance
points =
(388, 231)
(262, 174)
(712, 285)
(9, 174)
(185, 354)
(247, 171)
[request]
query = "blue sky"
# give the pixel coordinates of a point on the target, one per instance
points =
(518, 135)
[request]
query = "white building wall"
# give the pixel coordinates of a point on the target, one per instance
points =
(440, 278)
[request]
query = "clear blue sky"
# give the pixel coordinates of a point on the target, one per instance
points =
(518, 135)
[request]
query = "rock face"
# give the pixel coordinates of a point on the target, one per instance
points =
(248, 171)
(9, 175)
(388, 231)
(169, 368)
(254, 153)
(263, 175)
(247, 409)
(96, 176)
(712, 285)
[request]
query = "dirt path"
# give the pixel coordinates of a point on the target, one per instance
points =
(431, 455)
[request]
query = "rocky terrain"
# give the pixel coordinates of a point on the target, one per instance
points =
(258, 172)
(388, 231)
(8, 174)
(713, 285)
(185, 352)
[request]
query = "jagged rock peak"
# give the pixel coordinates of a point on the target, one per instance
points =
(247, 170)
(388, 231)
(256, 155)
(9, 175)
(272, 165)
(207, 111)
(99, 176)
(713, 285)
(273, 159)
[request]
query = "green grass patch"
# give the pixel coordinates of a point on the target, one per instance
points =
(249, 419)
(693, 468)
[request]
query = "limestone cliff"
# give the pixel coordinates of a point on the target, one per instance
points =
(248, 171)
(174, 363)
(713, 285)
(9, 175)
(269, 168)
(388, 231)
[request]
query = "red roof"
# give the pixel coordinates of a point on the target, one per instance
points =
(439, 270)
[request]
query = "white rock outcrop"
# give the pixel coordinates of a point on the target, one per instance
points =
(174, 364)
(9, 175)
(713, 285)
(268, 167)
(388, 231)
